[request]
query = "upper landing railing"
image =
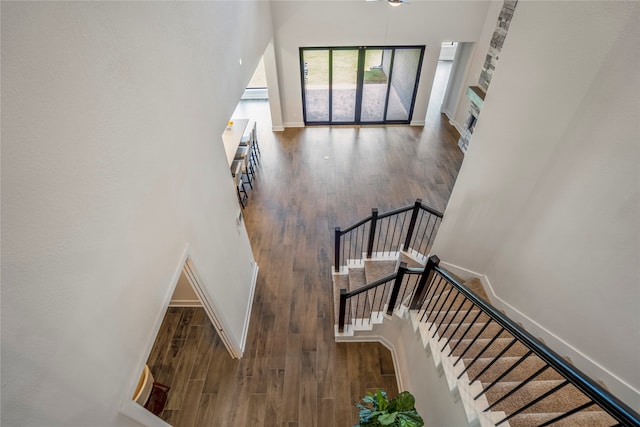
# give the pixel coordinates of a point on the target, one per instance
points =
(411, 228)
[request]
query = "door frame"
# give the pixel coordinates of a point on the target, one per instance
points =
(210, 308)
(129, 407)
(360, 82)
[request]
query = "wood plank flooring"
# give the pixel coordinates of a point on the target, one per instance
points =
(293, 373)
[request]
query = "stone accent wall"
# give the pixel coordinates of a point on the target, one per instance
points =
(499, 35)
(491, 60)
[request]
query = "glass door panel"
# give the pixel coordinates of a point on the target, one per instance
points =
(344, 85)
(349, 85)
(374, 84)
(405, 65)
(316, 84)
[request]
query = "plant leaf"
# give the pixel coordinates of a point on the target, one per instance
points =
(412, 418)
(381, 397)
(403, 402)
(387, 419)
(368, 399)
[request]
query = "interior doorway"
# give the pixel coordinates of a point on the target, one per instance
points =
(257, 87)
(190, 339)
(359, 85)
(441, 82)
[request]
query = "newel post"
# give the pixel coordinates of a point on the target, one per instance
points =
(343, 309)
(336, 249)
(421, 289)
(412, 224)
(372, 231)
(396, 287)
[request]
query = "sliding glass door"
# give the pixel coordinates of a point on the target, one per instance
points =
(316, 85)
(350, 85)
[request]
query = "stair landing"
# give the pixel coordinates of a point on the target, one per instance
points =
(370, 308)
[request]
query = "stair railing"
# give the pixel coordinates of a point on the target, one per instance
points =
(440, 300)
(383, 295)
(445, 305)
(410, 228)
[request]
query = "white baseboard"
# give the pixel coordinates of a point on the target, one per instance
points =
(247, 315)
(135, 412)
(417, 123)
(185, 303)
(277, 128)
(618, 386)
(454, 123)
(260, 93)
(294, 124)
(461, 272)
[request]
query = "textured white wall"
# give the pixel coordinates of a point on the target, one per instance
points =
(112, 163)
(547, 203)
(360, 23)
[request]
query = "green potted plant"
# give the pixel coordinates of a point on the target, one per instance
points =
(377, 410)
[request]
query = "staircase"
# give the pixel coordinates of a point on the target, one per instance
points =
(502, 375)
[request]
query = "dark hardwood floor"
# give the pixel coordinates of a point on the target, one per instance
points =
(293, 373)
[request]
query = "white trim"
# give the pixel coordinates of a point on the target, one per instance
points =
(214, 314)
(277, 128)
(558, 344)
(417, 123)
(247, 316)
(185, 303)
(454, 123)
(255, 93)
(462, 272)
(294, 124)
(132, 410)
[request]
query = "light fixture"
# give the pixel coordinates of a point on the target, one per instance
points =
(393, 3)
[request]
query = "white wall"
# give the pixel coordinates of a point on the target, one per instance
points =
(360, 23)
(416, 372)
(476, 64)
(456, 88)
(183, 294)
(547, 203)
(112, 164)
